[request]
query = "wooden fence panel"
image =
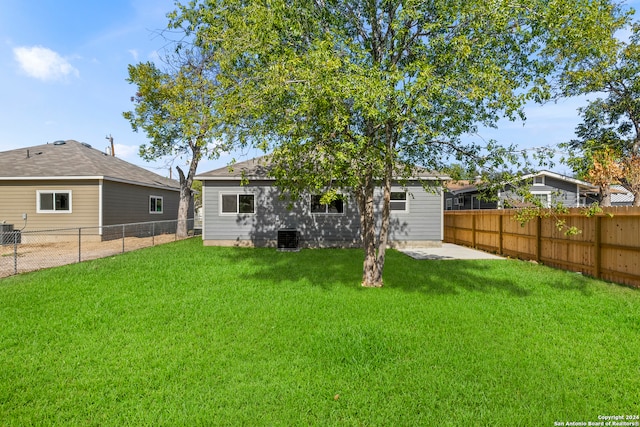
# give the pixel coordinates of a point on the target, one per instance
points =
(620, 247)
(607, 246)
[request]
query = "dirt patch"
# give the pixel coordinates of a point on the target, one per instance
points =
(36, 256)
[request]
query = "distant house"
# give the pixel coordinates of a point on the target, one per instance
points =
(254, 214)
(620, 196)
(69, 184)
(549, 187)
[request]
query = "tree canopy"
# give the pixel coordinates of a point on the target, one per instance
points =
(611, 125)
(175, 108)
(354, 94)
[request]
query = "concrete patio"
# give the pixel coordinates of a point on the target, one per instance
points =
(448, 251)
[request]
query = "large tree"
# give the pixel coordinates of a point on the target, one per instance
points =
(613, 122)
(595, 154)
(353, 94)
(175, 107)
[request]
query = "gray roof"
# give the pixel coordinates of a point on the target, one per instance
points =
(74, 160)
(259, 167)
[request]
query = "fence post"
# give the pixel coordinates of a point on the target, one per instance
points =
(538, 239)
(500, 231)
(473, 230)
(79, 244)
(15, 252)
(597, 247)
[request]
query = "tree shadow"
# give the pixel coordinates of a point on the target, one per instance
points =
(448, 276)
(331, 268)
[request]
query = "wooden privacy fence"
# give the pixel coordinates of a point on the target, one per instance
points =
(607, 247)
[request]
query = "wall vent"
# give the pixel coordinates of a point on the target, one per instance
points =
(288, 240)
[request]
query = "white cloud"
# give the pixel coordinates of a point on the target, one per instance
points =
(134, 54)
(44, 64)
(126, 151)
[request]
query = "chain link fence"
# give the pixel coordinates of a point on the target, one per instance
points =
(22, 251)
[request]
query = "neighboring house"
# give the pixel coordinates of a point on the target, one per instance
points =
(549, 187)
(620, 196)
(68, 184)
(253, 214)
(463, 194)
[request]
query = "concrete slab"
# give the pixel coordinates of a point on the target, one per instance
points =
(448, 251)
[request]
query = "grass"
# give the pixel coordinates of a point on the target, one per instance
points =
(182, 334)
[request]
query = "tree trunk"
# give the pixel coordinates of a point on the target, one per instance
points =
(605, 196)
(383, 238)
(371, 271)
(186, 196)
(636, 198)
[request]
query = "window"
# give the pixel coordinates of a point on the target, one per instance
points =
(449, 204)
(335, 207)
(237, 203)
(155, 204)
(54, 201)
(544, 198)
(538, 180)
(398, 201)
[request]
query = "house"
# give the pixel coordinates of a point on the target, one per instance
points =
(620, 196)
(549, 187)
(68, 184)
(254, 214)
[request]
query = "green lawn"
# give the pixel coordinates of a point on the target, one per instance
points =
(183, 334)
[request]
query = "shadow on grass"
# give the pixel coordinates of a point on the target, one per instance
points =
(452, 276)
(328, 268)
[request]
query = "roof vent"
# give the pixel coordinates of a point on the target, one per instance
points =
(59, 142)
(86, 145)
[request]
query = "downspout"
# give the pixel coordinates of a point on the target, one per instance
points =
(100, 184)
(442, 214)
(204, 214)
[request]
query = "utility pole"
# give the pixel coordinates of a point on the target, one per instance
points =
(110, 138)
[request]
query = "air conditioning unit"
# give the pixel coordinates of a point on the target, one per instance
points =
(9, 236)
(288, 239)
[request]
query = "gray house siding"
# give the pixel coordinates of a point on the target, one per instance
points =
(548, 187)
(559, 191)
(556, 190)
(126, 203)
(421, 222)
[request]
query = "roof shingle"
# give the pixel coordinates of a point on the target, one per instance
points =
(74, 160)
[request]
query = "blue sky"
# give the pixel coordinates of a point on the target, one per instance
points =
(63, 65)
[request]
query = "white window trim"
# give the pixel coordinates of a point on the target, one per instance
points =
(539, 184)
(235, 193)
(161, 205)
(473, 202)
(545, 193)
(406, 202)
(449, 204)
(53, 211)
(326, 207)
